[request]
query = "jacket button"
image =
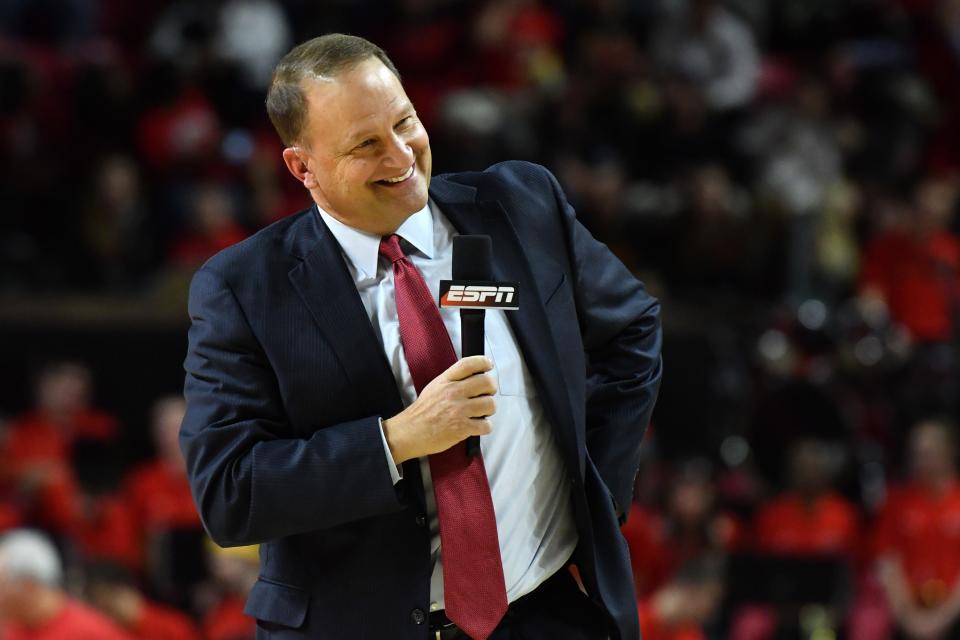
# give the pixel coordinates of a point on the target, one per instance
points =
(421, 521)
(418, 616)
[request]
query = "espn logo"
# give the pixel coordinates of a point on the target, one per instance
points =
(475, 294)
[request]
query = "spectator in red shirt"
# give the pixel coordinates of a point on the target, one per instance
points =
(112, 590)
(913, 268)
(38, 453)
(126, 526)
(212, 227)
(679, 609)
(918, 538)
(810, 518)
(32, 602)
(165, 531)
(691, 527)
(157, 491)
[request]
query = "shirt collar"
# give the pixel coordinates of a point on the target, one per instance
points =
(362, 249)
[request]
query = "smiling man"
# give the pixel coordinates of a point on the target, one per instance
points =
(327, 404)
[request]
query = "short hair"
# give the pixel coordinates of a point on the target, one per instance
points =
(324, 56)
(29, 554)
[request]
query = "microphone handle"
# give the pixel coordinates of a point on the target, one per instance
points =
(471, 344)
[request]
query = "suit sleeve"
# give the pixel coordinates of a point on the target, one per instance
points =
(620, 325)
(251, 481)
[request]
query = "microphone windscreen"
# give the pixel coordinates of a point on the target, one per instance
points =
(472, 258)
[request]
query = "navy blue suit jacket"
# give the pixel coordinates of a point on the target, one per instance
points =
(285, 381)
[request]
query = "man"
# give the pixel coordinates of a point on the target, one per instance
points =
(918, 538)
(327, 409)
(32, 602)
(113, 590)
(810, 517)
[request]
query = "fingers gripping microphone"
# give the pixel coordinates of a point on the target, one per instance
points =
(473, 290)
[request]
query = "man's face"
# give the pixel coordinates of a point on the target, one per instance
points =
(931, 453)
(366, 153)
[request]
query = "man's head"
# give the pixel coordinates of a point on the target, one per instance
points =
(166, 417)
(353, 137)
(933, 452)
(112, 589)
(30, 575)
(811, 467)
(62, 388)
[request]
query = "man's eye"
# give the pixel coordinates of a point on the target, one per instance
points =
(365, 143)
(405, 122)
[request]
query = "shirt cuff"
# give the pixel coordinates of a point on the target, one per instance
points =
(396, 472)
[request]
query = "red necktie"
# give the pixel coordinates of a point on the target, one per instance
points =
(474, 594)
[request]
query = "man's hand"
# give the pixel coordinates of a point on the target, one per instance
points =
(453, 407)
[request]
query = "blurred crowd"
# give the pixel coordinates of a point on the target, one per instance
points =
(782, 173)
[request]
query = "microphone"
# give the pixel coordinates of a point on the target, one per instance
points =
(473, 290)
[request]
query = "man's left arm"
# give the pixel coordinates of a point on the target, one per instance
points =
(620, 325)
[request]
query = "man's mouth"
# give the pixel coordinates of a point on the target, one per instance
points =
(398, 179)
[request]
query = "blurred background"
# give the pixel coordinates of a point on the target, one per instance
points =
(783, 174)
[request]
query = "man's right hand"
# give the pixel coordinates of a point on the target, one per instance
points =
(453, 407)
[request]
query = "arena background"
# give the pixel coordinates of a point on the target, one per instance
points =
(781, 173)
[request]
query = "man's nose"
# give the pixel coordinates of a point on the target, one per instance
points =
(398, 153)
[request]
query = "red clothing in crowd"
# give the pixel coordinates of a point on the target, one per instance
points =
(192, 250)
(9, 518)
(35, 440)
(188, 129)
(918, 278)
(227, 621)
(651, 628)
(74, 622)
(35, 437)
(164, 623)
(788, 524)
(656, 553)
(643, 538)
(109, 531)
(155, 498)
(923, 530)
(159, 497)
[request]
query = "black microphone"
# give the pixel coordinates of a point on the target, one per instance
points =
(472, 260)
(472, 290)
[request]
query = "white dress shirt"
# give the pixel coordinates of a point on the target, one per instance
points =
(528, 482)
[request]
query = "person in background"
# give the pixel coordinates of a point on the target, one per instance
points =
(918, 538)
(912, 268)
(212, 227)
(679, 609)
(692, 527)
(33, 602)
(112, 590)
(810, 517)
(38, 457)
(127, 525)
(157, 491)
(234, 572)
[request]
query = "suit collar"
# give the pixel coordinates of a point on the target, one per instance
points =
(362, 249)
(327, 288)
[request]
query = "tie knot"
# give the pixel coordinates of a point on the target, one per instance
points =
(390, 248)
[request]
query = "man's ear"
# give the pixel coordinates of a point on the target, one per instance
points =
(297, 165)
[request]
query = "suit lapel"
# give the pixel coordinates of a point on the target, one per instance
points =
(328, 291)
(528, 323)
